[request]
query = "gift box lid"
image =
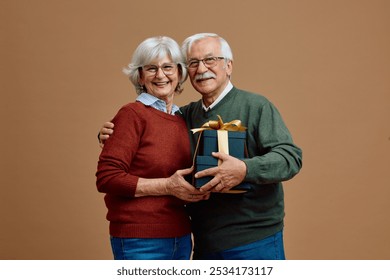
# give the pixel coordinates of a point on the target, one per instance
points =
(232, 134)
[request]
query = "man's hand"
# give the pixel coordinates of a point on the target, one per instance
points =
(227, 175)
(105, 132)
(179, 187)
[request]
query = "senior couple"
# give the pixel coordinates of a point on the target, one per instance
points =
(148, 151)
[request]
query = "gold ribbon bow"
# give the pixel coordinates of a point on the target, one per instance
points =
(234, 125)
(222, 132)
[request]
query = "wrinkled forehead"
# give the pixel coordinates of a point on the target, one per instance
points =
(204, 47)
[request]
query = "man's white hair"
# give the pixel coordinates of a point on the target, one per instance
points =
(226, 51)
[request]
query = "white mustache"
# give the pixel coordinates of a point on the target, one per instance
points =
(206, 75)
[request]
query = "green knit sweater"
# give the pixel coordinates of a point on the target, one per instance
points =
(230, 220)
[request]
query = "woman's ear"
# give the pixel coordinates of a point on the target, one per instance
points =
(180, 69)
(140, 77)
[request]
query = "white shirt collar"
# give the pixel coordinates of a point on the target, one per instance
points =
(228, 88)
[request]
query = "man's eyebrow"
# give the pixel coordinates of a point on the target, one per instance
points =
(207, 55)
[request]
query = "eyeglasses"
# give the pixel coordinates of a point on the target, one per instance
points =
(209, 62)
(167, 68)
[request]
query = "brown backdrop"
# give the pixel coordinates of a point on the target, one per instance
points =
(324, 64)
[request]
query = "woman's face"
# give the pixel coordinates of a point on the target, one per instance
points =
(160, 78)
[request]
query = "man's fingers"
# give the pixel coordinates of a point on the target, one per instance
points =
(207, 172)
(106, 131)
(108, 125)
(104, 137)
(211, 185)
(219, 155)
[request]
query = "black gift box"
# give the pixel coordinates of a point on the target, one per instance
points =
(205, 162)
(236, 141)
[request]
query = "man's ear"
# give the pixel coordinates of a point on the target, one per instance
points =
(229, 67)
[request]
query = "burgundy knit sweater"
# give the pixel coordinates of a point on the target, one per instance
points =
(146, 143)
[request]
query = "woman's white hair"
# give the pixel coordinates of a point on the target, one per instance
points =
(226, 51)
(150, 50)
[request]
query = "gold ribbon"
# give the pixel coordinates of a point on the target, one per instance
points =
(222, 136)
(234, 125)
(222, 132)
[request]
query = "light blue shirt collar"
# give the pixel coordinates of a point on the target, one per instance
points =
(158, 104)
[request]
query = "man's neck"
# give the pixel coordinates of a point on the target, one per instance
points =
(210, 103)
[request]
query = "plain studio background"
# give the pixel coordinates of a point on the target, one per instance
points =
(324, 64)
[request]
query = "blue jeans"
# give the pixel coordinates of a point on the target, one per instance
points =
(270, 248)
(178, 248)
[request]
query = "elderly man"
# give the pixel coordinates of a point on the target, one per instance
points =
(245, 226)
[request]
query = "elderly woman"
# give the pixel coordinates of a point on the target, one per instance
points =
(146, 157)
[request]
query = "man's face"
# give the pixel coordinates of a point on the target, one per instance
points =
(209, 81)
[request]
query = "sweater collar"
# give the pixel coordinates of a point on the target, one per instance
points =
(228, 88)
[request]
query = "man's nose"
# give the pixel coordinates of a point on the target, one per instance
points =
(202, 68)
